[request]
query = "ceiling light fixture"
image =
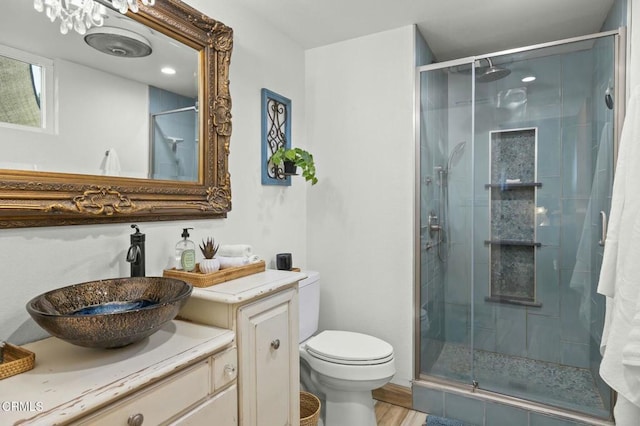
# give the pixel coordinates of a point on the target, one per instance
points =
(168, 71)
(123, 5)
(528, 79)
(80, 15)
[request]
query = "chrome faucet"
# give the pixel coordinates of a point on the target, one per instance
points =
(135, 254)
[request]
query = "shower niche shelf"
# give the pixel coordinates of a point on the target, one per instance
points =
(508, 186)
(513, 301)
(512, 241)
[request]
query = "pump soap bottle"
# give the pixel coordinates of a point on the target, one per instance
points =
(186, 252)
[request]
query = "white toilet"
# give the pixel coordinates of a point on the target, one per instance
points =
(341, 367)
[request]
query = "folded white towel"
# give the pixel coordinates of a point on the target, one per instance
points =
(513, 181)
(235, 250)
(232, 262)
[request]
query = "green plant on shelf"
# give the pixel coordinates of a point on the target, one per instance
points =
(300, 158)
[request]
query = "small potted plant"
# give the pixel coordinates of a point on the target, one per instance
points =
(209, 263)
(296, 157)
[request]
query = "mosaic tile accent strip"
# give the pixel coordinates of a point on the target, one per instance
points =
(513, 161)
(513, 272)
(513, 155)
(513, 214)
(540, 381)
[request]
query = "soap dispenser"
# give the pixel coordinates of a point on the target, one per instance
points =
(186, 252)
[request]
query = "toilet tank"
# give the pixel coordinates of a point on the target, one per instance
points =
(309, 302)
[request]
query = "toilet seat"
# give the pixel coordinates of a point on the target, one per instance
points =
(349, 348)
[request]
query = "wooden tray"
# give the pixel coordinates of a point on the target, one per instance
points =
(199, 279)
(16, 360)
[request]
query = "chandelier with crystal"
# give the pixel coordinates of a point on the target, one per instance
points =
(80, 15)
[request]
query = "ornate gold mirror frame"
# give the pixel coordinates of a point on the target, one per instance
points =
(29, 198)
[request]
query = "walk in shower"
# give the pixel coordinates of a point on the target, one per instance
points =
(173, 136)
(516, 153)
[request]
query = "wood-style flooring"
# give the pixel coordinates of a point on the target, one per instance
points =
(395, 415)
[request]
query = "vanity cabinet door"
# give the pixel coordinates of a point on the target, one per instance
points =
(269, 363)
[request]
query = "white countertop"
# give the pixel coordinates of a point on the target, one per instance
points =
(248, 287)
(70, 381)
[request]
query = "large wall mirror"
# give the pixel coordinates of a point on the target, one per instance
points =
(130, 121)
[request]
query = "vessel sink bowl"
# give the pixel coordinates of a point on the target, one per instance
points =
(109, 313)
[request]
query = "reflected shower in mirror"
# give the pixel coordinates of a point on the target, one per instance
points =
(173, 136)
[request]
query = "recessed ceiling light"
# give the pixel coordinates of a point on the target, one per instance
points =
(529, 79)
(168, 71)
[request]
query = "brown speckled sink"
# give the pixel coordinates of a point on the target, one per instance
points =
(109, 313)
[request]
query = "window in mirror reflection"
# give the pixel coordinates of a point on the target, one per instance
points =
(20, 91)
(26, 84)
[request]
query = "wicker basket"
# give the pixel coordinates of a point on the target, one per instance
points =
(16, 360)
(309, 409)
(200, 279)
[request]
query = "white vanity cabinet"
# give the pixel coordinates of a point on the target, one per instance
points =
(263, 311)
(184, 397)
(184, 374)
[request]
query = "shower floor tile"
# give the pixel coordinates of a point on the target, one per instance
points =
(554, 384)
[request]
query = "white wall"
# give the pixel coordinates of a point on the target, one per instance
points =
(272, 219)
(360, 215)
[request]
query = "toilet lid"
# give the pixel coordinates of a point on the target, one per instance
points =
(346, 347)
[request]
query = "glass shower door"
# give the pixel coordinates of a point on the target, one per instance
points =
(544, 167)
(446, 221)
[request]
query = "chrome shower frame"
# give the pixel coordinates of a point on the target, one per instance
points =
(619, 96)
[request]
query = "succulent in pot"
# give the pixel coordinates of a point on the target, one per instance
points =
(209, 249)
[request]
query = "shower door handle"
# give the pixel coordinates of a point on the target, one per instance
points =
(603, 228)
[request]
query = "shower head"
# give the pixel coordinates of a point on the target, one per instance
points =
(492, 73)
(456, 154)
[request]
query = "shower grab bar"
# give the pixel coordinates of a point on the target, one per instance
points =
(603, 228)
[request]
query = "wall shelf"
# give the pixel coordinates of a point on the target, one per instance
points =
(508, 186)
(513, 243)
(513, 301)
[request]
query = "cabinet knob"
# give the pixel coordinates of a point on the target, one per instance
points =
(135, 420)
(229, 370)
(275, 344)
